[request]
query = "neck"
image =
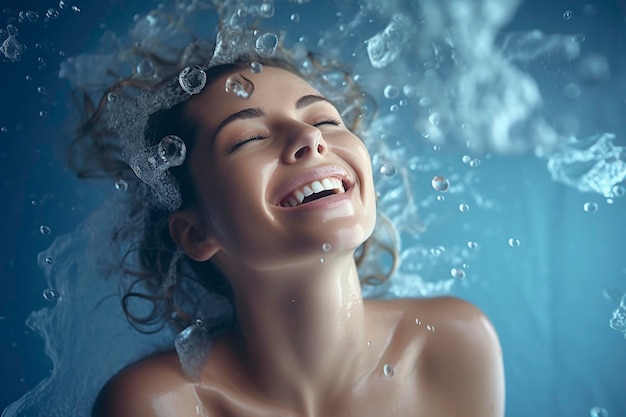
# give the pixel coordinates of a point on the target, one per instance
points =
(300, 330)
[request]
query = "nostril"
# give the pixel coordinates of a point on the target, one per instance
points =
(300, 152)
(320, 148)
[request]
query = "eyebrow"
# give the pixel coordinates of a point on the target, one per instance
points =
(252, 113)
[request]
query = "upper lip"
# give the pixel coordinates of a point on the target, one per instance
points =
(306, 177)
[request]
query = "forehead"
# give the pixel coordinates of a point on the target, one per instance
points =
(273, 87)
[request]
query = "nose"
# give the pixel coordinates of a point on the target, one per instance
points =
(304, 141)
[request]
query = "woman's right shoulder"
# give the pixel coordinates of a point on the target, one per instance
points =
(155, 386)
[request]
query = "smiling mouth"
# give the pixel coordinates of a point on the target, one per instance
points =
(314, 191)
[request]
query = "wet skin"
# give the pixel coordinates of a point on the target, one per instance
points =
(306, 343)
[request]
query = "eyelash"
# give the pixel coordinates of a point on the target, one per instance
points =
(331, 121)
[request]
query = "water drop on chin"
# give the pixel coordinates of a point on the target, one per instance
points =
(239, 86)
(172, 150)
(388, 370)
(440, 183)
(192, 79)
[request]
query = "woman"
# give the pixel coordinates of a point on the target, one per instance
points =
(277, 195)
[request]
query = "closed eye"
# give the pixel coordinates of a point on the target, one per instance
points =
(328, 121)
(246, 140)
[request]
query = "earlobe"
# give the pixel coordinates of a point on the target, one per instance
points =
(186, 229)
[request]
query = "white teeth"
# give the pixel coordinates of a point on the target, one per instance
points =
(314, 187)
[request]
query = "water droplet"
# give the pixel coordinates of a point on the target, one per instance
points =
(11, 48)
(598, 412)
(618, 190)
(76, 9)
(457, 273)
(424, 101)
(436, 148)
(42, 90)
(51, 294)
(440, 183)
(111, 97)
(391, 91)
(45, 230)
(394, 108)
(369, 343)
(192, 79)
(145, 68)
(466, 159)
(121, 185)
(472, 245)
(437, 251)
(567, 15)
(52, 13)
(463, 208)
(43, 113)
(590, 207)
(172, 150)
(388, 370)
(63, 4)
(474, 163)
(440, 198)
(266, 10)
(198, 322)
(256, 67)
(327, 247)
(388, 170)
(4, 129)
(49, 260)
(32, 15)
(266, 44)
(430, 328)
(12, 30)
(240, 86)
(322, 260)
(295, 17)
(514, 242)
(418, 322)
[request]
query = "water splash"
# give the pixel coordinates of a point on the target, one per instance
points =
(385, 47)
(618, 320)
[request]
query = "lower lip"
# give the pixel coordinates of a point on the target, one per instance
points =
(327, 202)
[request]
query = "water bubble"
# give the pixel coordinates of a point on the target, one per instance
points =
(388, 170)
(424, 101)
(76, 9)
(145, 68)
(322, 260)
(63, 4)
(121, 185)
(240, 86)
(43, 113)
(326, 247)
(514, 242)
(391, 91)
(12, 30)
(590, 207)
(45, 230)
(52, 13)
(198, 322)
(266, 44)
(472, 245)
(430, 328)
(437, 251)
(266, 10)
(466, 159)
(256, 67)
(51, 294)
(598, 412)
(192, 79)
(4, 129)
(111, 97)
(436, 148)
(418, 322)
(42, 90)
(474, 163)
(388, 370)
(440, 183)
(434, 119)
(457, 273)
(49, 261)
(567, 15)
(172, 150)
(440, 198)
(32, 15)
(369, 343)
(578, 38)
(463, 208)
(618, 191)
(295, 17)
(394, 108)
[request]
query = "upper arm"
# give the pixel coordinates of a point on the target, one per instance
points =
(469, 359)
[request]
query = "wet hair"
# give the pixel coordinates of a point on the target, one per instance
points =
(150, 256)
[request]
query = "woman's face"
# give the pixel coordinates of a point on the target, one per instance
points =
(255, 158)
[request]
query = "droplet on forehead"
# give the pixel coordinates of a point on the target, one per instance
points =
(192, 79)
(256, 67)
(240, 86)
(172, 150)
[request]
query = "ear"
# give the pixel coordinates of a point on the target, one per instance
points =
(189, 231)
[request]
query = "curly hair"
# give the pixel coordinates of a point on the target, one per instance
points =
(151, 257)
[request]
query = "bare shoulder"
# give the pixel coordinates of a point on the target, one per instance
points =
(460, 355)
(155, 386)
